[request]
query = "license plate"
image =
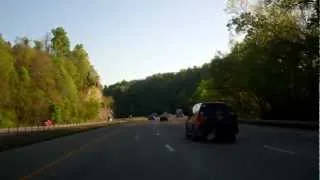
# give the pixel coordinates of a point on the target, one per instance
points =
(219, 117)
(211, 136)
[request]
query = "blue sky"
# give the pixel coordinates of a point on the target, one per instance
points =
(126, 39)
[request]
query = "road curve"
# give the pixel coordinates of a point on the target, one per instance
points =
(159, 150)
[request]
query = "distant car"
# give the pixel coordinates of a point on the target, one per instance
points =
(212, 121)
(179, 113)
(47, 123)
(164, 116)
(153, 116)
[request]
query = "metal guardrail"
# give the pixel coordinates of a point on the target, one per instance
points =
(275, 123)
(283, 123)
(29, 129)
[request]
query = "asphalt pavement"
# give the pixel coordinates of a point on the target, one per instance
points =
(159, 151)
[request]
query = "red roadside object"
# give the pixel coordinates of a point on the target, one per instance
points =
(47, 122)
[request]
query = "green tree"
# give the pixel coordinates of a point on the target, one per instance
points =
(277, 58)
(46, 81)
(81, 62)
(60, 42)
(157, 93)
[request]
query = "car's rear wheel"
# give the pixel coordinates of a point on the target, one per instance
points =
(188, 136)
(194, 136)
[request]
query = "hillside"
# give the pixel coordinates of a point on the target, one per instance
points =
(157, 93)
(45, 79)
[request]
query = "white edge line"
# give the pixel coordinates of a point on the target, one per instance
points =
(170, 148)
(300, 132)
(279, 149)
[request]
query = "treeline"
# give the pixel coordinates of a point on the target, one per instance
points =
(157, 93)
(271, 74)
(45, 79)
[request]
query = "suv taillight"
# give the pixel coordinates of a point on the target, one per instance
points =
(200, 118)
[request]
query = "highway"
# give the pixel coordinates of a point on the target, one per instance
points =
(159, 151)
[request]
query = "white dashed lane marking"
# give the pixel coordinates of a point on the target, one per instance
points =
(137, 137)
(171, 149)
(279, 149)
(158, 133)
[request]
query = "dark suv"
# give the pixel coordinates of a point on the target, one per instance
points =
(212, 121)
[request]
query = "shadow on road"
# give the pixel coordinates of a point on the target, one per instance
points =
(208, 143)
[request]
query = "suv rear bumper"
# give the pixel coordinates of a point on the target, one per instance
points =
(204, 130)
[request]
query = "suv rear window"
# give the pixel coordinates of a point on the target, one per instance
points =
(212, 109)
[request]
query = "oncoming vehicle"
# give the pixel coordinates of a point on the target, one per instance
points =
(212, 121)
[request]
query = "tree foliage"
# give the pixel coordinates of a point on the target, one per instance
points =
(60, 42)
(46, 81)
(157, 93)
(277, 62)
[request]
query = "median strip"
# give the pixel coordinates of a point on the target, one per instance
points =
(282, 123)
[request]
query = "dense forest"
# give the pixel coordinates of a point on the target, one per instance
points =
(157, 93)
(271, 74)
(45, 79)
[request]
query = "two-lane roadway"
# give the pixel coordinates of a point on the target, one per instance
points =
(159, 151)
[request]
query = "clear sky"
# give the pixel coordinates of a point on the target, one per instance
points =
(126, 39)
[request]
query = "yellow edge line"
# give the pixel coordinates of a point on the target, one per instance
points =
(63, 157)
